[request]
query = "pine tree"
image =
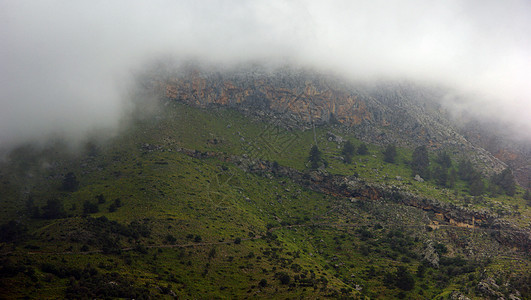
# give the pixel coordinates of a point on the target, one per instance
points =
(70, 182)
(315, 157)
(527, 195)
(476, 186)
(390, 153)
(53, 209)
(452, 178)
(441, 175)
(420, 162)
(403, 279)
(507, 182)
(348, 152)
(362, 149)
(465, 170)
(444, 160)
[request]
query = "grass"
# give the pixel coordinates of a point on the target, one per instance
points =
(184, 197)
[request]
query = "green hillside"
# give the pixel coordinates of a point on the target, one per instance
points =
(169, 208)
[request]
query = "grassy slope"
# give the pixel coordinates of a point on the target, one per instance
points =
(184, 197)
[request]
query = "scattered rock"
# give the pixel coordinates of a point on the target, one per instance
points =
(430, 255)
(489, 288)
(456, 295)
(418, 178)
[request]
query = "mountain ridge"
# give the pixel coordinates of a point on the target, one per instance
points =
(403, 113)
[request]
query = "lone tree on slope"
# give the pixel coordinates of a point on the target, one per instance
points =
(420, 162)
(348, 152)
(390, 153)
(315, 157)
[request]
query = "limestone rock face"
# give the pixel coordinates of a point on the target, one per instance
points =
(418, 178)
(402, 113)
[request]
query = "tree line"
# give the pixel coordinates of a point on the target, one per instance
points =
(441, 169)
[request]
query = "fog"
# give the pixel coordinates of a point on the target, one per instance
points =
(67, 68)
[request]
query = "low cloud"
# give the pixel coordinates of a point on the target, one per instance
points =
(66, 67)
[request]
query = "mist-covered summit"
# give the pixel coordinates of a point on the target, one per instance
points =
(382, 112)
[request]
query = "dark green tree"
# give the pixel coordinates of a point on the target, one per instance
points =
(53, 209)
(441, 175)
(444, 160)
(403, 279)
(70, 182)
(465, 170)
(100, 198)
(315, 157)
(505, 180)
(348, 152)
(477, 187)
(390, 153)
(263, 283)
(493, 188)
(420, 162)
(90, 208)
(12, 230)
(527, 196)
(362, 149)
(275, 167)
(452, 177)
(283, 277)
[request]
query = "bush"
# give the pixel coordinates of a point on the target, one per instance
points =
(390, 153)
(477, 187)
(420, 162)
(90, 208)
(348, 151)
(505, 180)
(283, 277)
(404, 280)
(262, 283)
(70, 183)
(100, 198)
(441, 249)
(363, 150)
(53, 209)
(441, 176)
(12, 231)
(94, 285)
(315, 157)
(444, 160)
(115, 205)
(170, 239)
(212, 253)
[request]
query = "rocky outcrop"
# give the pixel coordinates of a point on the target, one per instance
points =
(401, 113)
(351, 187)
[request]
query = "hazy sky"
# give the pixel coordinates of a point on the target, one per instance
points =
(65, 66)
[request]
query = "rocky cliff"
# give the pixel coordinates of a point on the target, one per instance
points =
(382, 113)
(354, 189)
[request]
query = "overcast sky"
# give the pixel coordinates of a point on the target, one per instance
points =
(65, 66)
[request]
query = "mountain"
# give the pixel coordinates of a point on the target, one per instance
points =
(215, 192)
(380, 113)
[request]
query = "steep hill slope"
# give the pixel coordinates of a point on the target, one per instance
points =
(381, 113)
(215, 203)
